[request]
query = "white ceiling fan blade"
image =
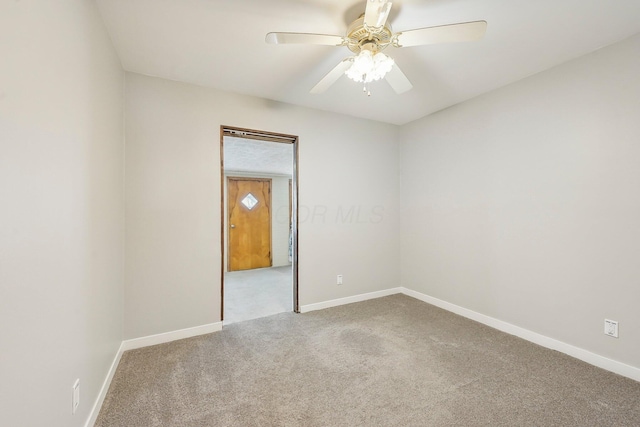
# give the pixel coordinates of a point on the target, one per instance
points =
(376, 13)
(397, 80)
(332, 76)
(304, 38)
(464, 32)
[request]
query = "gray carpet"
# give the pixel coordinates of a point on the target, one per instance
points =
(393, 361)
(251, 294)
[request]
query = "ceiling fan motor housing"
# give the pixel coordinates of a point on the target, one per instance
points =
(360, 37)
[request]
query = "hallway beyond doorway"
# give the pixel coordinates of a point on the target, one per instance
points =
(251, 294)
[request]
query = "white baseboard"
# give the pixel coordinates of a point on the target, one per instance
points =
(171, 336)
(348, 300)
(95, 410)
(553, 344)
(145, 342)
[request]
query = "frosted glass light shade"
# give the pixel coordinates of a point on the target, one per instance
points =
(368, 67)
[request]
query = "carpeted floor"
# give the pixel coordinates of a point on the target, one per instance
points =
(251, 294)
(393, 361)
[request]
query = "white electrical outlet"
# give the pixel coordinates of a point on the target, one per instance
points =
(75, 400)
(611, 328)
(339, 279)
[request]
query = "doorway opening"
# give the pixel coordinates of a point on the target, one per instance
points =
(259, 223)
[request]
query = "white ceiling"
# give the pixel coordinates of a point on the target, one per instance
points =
(220, 44)
(250, 155)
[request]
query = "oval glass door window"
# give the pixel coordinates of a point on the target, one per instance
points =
(249, 201)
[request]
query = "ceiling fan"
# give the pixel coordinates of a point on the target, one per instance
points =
(368, 35)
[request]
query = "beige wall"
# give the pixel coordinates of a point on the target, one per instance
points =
(524, 204)
(62, 210)
(280, 225)
(348, 197)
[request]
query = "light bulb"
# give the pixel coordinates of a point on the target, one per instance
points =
(368, 67)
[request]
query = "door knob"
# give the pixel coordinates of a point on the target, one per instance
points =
(233, 226)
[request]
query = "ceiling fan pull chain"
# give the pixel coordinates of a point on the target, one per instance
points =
(366, 81)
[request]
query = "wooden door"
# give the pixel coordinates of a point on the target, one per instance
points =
(249, 223)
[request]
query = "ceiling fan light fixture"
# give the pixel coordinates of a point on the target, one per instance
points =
(371, 33)
(368, 67)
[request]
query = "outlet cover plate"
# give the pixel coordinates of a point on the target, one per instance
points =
(611, 328)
